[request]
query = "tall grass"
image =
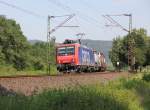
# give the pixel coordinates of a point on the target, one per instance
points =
(140, 86)
(80, 99)
(8, 70)
(117, 95)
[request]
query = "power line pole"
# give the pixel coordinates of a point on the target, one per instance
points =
(131, 56)
(51, 30)
(131, 53)
(48, 44)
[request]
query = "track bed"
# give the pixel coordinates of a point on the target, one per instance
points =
(28, 85)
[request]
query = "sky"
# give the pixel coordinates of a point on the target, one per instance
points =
(88, 16)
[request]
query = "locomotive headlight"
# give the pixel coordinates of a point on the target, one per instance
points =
(59, 61)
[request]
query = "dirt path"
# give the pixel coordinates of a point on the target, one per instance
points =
(27, 85)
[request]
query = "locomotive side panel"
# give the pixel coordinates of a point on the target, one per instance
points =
(86, 56)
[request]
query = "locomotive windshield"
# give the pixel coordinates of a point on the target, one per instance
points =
(66, 50)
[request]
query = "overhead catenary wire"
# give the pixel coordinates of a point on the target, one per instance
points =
(62, 24)
(89, 6)
(62, 6)
(115, 23)
(93, 8)
(85, 17)
(21, 9)
(68, 9)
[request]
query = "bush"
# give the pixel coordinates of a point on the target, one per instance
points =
(146, 77)
(86, 98)
(38, 65)
(97, 97)
(141, 88)
(20, 62)
(124, 94)
(6, 70)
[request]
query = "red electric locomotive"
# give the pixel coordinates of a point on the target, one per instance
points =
(72, 56)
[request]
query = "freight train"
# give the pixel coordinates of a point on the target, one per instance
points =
(72, 56)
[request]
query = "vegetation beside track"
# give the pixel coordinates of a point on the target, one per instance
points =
(141, 49)
(10, 71)
(123, 94)
(18, 56)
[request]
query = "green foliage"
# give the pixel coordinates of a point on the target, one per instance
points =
(123, 94)
(148, 52)
(96, 97)
(141, 88)
(38, 65)
(146, 77)
(39, 51)
(13, 43)
(20, 62)
(86, 98)
(140, 56)
(16, 51)
(141, 44)
(110, 67)
(117, 52)
(2, 57)
(7, 70)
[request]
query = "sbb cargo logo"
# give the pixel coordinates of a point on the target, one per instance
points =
(85, 57)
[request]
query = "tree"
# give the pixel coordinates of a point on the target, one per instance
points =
(15, 49)
(116, 52)
(13, 43)
(38, 52)
(148, 52)
(2, 57)
(119, 51)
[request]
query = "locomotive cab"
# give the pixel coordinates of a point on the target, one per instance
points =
(66, 56)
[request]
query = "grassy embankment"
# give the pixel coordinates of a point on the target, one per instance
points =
(10, 71)
(123, 94)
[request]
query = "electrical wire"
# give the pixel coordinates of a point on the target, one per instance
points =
(85, 17)
(21, 9)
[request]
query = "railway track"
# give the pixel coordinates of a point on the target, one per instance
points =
(58, 75)
(28, 84)
(25, 76)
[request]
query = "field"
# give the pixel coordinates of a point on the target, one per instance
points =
(120, 94)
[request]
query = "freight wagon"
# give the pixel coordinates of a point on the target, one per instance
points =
(72, 56)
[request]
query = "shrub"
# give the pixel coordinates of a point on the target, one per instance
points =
(146, 77)
(20, 62)
(38, 65)
(141, 88)
(77, 98)
(124, 94)
(7, 70)
(86, 98)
